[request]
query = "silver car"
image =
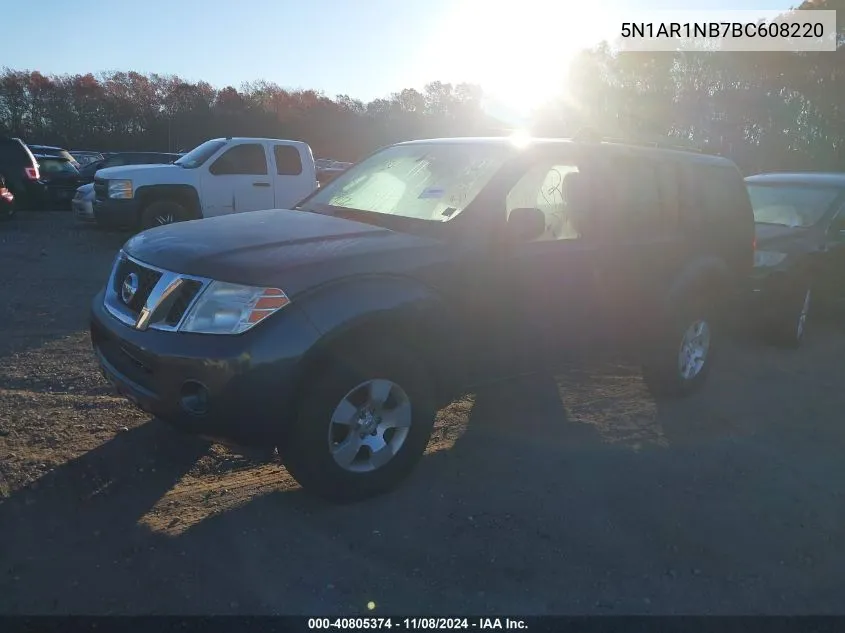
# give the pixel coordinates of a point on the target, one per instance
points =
(83, 203)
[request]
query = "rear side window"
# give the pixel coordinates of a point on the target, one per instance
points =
(56, 166)
(246, 159)
(634, 200)
(288, 161)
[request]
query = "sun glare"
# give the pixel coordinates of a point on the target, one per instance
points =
(519, 52)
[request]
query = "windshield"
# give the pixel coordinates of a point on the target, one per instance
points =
(56, 166)
(791, 205)
(421, 181)
(200, 154)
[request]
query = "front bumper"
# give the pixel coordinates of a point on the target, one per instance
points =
(116, 214)
(83, 210)
(251, 380)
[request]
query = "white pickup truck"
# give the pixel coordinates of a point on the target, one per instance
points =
(220, 176)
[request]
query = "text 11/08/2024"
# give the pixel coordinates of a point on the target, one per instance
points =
(417, 623)
(732, 31)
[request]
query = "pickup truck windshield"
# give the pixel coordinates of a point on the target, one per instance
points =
(421, 181)
(201, 153)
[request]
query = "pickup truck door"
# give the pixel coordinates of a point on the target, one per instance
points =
(294, 174)
(237, 180)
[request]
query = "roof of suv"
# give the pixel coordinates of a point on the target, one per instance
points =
(831, 179)
(677, 154)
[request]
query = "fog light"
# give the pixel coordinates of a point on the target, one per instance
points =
(194, 397)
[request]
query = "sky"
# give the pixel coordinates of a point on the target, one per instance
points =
(517, 50)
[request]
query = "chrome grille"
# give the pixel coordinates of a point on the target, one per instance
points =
(147, 278)
(161, 300)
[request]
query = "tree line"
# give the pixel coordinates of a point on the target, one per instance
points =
(767, 111)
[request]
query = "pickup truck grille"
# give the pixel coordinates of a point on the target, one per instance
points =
(101, 189)
(170, 306)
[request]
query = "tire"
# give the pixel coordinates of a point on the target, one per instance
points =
(308, 447)
(7, 211)
(670, 372)
(162, 212)
(789, 328)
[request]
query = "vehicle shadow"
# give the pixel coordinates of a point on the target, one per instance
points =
(569, 494)
(65, 534)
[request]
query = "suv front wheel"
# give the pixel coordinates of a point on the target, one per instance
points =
(362, 427)
(680, 363)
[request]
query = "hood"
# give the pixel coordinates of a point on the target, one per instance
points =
(162, 174)
(294, 250)
(787, 239)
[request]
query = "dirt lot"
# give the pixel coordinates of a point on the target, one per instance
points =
(569, 495)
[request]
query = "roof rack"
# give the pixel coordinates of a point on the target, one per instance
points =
(587, 135)
(658, 144)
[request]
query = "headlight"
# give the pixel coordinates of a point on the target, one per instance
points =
(225, 308)
(765, 259)
(120, 189)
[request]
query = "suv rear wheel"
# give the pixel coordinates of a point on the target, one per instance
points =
(362, 427)
(681, 360)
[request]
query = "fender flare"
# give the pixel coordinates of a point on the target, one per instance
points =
(400, 309)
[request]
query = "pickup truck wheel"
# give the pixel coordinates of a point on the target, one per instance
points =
(162, 212)
(361, 428)
(681, 361)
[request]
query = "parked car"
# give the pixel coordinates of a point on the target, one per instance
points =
(21, 172)
(326, 174)
(7, 200)
(334, 331)
(60, 179)
(83, 203)
(48, 150)
(119, 159)
(219, 177)
(85, 157)
(800, 224)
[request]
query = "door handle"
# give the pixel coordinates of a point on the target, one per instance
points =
(261, 184)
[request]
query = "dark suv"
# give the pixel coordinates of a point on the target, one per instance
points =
(125, 158)
(20, 170)
(335, 331)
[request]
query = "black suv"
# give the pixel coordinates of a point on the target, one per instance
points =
(335, 331)
(20, 170)
(119, 159)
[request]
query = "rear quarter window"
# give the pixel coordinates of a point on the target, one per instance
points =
(13, 152)
(288, 160)
(720, 193)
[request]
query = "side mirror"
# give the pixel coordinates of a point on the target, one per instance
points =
(526, 224)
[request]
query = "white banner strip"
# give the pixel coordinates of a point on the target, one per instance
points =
(735, 31)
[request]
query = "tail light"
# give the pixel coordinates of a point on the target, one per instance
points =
(32, 173)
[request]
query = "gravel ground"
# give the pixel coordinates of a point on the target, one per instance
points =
(572, 494)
